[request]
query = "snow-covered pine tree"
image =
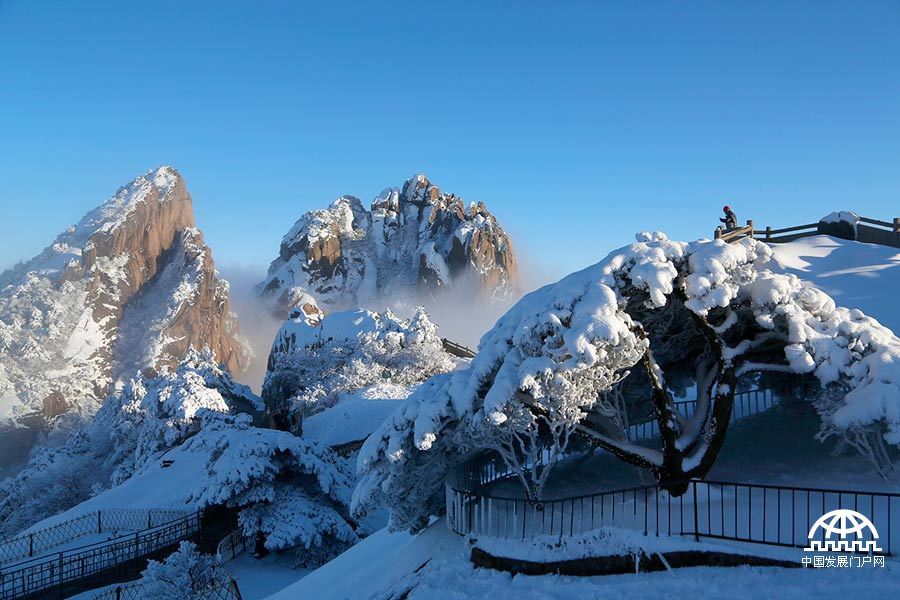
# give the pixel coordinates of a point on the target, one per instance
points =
(653, 318)
(150, 415)
(293, 491)
(314, 361)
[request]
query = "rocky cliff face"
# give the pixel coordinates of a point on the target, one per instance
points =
(130, 287)
(415, 239)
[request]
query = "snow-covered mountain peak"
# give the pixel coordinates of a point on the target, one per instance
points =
(156, 185)
(130, 286)
(412, 241)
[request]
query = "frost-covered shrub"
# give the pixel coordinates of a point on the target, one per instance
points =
(313, 362)
(294, 491)
(183, 575)
(148, 417)
(546, 363)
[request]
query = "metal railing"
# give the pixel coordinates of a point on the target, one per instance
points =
(457, 349)
(232, 545)
(746, 404)
(745, 512)
(135, 591)
(55, 571)
(101, 521)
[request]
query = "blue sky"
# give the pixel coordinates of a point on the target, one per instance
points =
(578, 123)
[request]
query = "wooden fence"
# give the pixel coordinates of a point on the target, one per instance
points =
(870, 231)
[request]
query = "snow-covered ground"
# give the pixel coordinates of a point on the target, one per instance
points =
(258, 578)
(155, 487)
(458, 579)
(435, 565)
(856, 275)
(356, 416)
(374, 564)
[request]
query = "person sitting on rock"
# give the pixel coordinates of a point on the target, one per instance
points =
(730, 219)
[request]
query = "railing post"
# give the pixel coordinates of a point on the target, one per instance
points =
(897, 230)
(30, 544)
(696, 525)
(99, 523)
(768, 232)
(718, 232)
(750, 225)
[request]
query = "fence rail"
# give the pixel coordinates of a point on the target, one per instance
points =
(46, 573)
(457, 349)
(765, 514)
(738, 233)
(743, 512)
(746, 404)
(894, 226)
(101, 521)
(232, 545)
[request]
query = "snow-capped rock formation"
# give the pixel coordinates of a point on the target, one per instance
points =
(315, 360)
(414, 239)
(131, 286)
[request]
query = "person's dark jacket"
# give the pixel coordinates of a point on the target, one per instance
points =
(730, 220)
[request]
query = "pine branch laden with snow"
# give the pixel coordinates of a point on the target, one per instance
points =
(130, 431)
(314, 362)
(703, 313)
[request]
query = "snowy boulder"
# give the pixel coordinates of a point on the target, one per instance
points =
(841, 224)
